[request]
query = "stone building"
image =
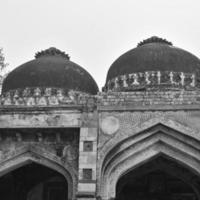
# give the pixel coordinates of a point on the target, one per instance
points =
(137, 139)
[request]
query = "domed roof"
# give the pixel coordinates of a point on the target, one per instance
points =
(154, 54)
(50, 69)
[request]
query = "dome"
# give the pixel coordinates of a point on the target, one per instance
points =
(153, 57)
(50, 69)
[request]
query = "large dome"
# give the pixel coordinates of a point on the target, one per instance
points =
(50, 69)
(153, 55)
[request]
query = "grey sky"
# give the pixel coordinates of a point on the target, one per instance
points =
(95, 32)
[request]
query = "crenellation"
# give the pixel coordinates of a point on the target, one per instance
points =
(151, 80)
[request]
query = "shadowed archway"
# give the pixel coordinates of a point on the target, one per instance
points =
(33, 181)
(161, 178)
(37, 166)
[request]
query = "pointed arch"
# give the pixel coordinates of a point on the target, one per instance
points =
(35, 154)
(160, 164)
(139, 148)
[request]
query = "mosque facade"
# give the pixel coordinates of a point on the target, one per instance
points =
(136, 139)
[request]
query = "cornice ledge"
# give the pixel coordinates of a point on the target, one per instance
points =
(160, 107)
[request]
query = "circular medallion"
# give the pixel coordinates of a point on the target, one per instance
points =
(110, 125)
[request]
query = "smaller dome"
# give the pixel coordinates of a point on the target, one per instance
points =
(51, 68)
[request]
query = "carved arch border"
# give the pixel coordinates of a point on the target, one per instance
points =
(139, 148)
(28, 154)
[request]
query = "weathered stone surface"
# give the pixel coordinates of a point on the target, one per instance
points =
(125, 128)
(109, 125)
(41, 119)
(149, 98)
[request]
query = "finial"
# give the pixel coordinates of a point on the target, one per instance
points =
(154, 39)
(52, 51)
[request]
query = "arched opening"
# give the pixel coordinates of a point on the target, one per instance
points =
(159, 179)
(33, 182)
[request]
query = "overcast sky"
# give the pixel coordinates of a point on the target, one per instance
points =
(94, 32)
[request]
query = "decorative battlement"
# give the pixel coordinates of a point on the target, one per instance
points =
(118, 96)
(151, 80)
(45, 97)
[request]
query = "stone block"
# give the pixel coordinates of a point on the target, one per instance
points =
(86, 187)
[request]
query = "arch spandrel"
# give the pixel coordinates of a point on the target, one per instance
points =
(28, 154)
(143, 146)
(118, 138)
(147, 139)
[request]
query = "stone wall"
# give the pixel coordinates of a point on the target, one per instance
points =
(127, 139)
(55, 148)
(124, 117)
(104, 121)
(168, 97)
